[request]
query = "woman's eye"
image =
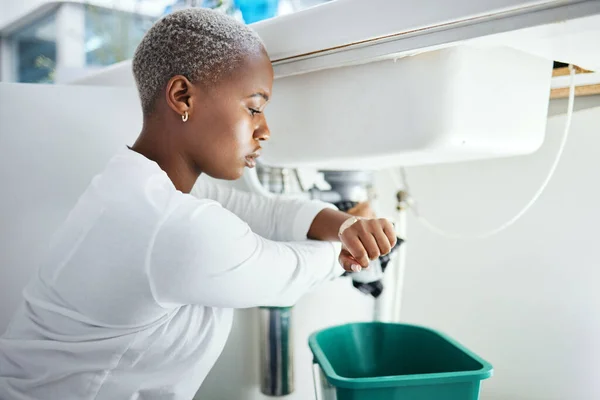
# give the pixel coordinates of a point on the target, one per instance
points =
(253, 111)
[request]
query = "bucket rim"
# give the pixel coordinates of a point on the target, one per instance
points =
(319, 357)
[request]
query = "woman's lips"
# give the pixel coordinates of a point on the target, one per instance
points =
(251, 160)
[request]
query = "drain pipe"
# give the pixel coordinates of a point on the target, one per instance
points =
(276, 334)
(276, 351)
(349, 188)
(346, 186)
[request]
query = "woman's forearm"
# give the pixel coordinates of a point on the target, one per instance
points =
(326, 225)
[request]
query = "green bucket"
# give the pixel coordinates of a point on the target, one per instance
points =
(384, 361)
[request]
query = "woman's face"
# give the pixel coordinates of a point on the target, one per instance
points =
(226, 123)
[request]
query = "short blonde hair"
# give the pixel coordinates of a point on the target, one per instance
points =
(198, 43)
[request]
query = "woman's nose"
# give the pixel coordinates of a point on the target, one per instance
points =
(262, 132)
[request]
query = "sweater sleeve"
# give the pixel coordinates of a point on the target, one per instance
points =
(277, 218)
(204, 254)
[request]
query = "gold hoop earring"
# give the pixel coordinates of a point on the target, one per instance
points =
(185, 116)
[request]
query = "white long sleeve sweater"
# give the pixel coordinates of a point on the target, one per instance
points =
(136, 295)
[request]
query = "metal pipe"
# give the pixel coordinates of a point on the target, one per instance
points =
(350, 185)
(276, 343)
(276, 339)
(276, 351)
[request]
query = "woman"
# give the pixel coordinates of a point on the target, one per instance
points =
(135, 298)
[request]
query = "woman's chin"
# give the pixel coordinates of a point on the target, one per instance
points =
(230, 175)
(234, 175)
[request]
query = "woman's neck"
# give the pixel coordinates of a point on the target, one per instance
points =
(157, 145)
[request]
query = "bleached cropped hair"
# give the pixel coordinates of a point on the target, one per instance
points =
(198, 43)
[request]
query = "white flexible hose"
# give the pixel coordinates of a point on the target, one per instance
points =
(433, 228)
(400, 266)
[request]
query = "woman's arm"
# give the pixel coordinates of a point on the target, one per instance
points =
(285, 219)
(204, 254)
(276, 218)
(326, 225)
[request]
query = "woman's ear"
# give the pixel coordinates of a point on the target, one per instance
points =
(180, 92)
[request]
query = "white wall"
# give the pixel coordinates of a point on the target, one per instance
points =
(53, 140)
(528, 299)
(236, 374)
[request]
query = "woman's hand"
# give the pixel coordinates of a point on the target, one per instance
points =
(364, 238)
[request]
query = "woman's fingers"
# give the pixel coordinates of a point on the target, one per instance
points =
(356, 249)
(390, 232)
(368, 239)
(348, 262)
(370, 244)
(383, 242)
